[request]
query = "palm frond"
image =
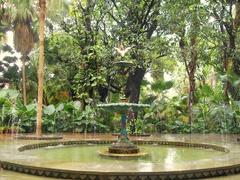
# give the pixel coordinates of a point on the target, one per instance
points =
(23, 37)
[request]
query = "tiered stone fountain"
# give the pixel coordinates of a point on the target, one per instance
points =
(123, 146)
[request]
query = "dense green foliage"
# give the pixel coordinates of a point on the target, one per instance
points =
(164, 116)
(63, 117)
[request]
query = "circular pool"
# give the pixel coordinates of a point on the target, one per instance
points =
(86, 158)
(79, 159)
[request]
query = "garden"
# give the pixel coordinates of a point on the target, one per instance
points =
(154, 84)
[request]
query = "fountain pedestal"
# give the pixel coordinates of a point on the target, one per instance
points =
(123, 145)
(123, 148)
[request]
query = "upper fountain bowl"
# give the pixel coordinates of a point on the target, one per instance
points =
(123, 107)
(123, 63)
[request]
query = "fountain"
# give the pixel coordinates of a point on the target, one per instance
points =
(123, 146)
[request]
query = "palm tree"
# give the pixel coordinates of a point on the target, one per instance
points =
(42, 15)
(23, 36)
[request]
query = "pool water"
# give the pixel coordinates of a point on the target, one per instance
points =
(86, 158)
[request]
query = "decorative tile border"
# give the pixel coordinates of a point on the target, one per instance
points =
(84, 175)
(90, 175)
(27, 137)
(139, 142)
(135, 135)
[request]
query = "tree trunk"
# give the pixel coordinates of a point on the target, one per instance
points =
(132, 91)
(225, 69)
(42, 4)
(192, 69)
(232, 63)
(24, 81)
(191, 97)
(133, 85)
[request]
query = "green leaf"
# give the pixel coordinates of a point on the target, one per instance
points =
(9, 93)
(60, 107)
(77, 104)
(49, 110)
(161, 85)
(206, 91)
(30, 107)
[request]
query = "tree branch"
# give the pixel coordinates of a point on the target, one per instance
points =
(220, 21)
(183, 52)
(115, 19)
(147, 13)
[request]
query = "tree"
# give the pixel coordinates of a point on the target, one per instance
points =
(227, 17)
(42, 15)
(42, 18)
(84, 27)
(187, 14)
(135, 25)
(23, 36)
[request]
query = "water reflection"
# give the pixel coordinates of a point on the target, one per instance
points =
(170, 157)
(87, 158)
(145, 167)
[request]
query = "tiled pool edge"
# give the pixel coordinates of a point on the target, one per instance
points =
(139, 142)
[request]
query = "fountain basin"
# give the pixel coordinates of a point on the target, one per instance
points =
(44, 159)
(123, 148)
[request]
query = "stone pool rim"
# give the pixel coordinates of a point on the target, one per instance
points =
(75, 174)
(34, 137)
